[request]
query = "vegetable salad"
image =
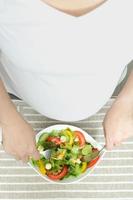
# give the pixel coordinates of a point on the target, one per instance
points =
(70, 154)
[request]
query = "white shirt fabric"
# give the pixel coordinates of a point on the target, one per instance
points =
(65, 67)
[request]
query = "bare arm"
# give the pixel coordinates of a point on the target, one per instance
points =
(18, 135)
(127, 92)
(8, 112)
(118, 122)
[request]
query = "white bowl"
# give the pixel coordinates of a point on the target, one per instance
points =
(88, 139)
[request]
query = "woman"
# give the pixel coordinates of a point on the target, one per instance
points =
(51, 53)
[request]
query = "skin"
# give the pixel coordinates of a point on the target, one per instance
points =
(19, 137)
(75, 7)
(118, 122)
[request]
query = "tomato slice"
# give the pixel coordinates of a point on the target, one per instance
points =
(93, 162)
(58, 176)
(80, 137)
(55, 140)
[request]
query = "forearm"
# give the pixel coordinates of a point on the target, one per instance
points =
(17, 135)
(8, 112)
(126, 93)
(118, 122)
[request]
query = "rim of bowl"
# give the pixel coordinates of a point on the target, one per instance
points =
(88, 138)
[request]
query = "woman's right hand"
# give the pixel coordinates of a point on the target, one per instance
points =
(19, 140)
(18, 135)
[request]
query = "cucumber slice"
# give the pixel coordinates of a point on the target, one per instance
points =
(94, 154)
(91, 156)
(43, 138)
(87, 150)
(87, 158)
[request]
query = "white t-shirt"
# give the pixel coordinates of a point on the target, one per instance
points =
(65, 67)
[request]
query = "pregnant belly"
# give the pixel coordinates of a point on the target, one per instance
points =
(64, 98)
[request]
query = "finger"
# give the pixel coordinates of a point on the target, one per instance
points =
(25, 159)
(17, 157)
(35, 132)
(108, 140)
(36, 155)
(109, 145)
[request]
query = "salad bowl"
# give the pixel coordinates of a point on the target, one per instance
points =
(70, 172)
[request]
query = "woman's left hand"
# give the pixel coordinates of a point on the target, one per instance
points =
(118, 122)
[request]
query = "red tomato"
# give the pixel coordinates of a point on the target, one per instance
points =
(58, 176)
(80, 137)
(93, 162)
(54, 140)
